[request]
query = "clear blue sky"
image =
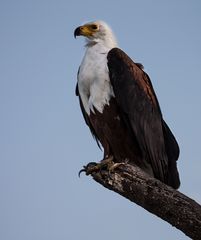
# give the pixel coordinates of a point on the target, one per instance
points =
(43, 138)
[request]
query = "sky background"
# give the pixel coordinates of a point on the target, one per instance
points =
(43, 138)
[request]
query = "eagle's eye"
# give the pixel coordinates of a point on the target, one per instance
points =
(94, 27)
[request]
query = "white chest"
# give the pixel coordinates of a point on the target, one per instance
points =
(93, 80)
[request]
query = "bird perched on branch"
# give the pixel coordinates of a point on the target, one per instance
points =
(121, 109)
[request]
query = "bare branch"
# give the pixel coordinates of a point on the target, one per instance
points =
(154, 196)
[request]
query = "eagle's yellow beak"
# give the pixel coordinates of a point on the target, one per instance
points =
(83, 30)
(86, 30)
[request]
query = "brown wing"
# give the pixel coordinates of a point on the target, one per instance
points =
(141, 112)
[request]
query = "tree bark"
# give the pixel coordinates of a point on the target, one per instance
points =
(154, 196)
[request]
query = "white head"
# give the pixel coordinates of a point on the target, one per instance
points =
(97, 32)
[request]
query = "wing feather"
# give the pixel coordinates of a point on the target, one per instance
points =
(137, 100)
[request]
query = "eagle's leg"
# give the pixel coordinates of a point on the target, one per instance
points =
(107, 164)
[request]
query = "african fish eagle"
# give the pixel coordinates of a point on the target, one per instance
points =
(121, 109)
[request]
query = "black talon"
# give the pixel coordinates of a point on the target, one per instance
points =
(82, 170)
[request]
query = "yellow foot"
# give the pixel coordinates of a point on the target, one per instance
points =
(106, 164)
(114, 166)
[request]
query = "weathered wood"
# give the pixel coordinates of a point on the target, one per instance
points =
(154, 196)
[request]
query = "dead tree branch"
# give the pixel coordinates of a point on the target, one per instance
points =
(154, 196)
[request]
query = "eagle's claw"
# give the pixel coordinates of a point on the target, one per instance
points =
(89, 168)
(106, 163)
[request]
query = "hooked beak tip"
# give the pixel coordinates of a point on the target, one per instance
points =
(77, 32)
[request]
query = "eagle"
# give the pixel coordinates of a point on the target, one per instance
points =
(121, 109)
